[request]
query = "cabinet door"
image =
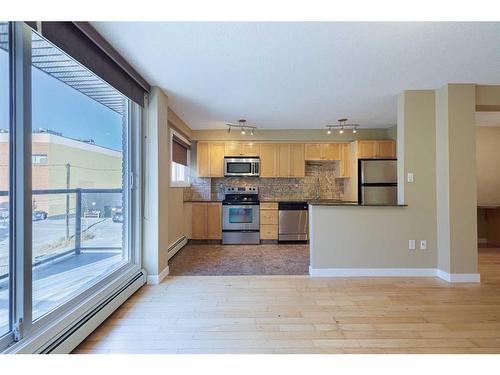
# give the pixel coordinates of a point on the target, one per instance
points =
(283, 160)
(250, 149)
(268, 160)
(232, 149)
(214, 221)
(367, 149)
(345, 160)
(386, 149)
(330, 151)
(216, 159)
(313, 151)
(297, 160)
(199, 221)
(203, 159)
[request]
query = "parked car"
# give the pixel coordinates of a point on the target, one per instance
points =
(117, 217)
(39, 215)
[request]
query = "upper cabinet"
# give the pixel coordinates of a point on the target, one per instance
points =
(385, 149)
(345, 160)
(268, 160)
(291, 160)
(323, 151)
(210, 159)
(242, 149)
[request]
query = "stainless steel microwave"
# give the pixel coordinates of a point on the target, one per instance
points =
(242, 166)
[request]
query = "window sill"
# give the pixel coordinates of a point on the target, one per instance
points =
(179, 185)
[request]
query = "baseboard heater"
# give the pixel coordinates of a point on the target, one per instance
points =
(76, 333)
(176, 246)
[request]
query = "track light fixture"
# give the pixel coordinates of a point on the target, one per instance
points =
(341, 126)
(242, 126)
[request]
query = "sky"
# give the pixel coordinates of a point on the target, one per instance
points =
(58, 107)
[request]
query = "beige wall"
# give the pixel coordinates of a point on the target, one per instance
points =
(488, 162)
(456, 178)
(156, 179)
(178, 212)
(289, 135)
(377, 237)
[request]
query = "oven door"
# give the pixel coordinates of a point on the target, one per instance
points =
(240, 217)
(241, 167)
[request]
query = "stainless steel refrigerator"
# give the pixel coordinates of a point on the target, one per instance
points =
(378, 181)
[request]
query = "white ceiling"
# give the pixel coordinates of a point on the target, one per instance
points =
(302, 75)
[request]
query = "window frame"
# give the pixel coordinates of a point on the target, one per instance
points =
(186, 182)
(31, 336)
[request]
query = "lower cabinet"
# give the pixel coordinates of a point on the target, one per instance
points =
(206, 221)
(269, 221)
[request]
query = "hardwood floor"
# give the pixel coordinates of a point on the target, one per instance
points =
(224, 260)
(298, 314)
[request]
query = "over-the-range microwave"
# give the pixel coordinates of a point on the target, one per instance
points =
(241, 166)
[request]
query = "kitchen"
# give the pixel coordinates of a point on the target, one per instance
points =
(247, 203)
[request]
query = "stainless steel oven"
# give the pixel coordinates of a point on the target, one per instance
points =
(242, 166)
(241, 216)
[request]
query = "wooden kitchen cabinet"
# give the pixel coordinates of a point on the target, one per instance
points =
(291, 160)
(345, 161)
(298, 161)
(203, 159)
(199, 220)
(269, 221)
(214, 221)
(385, 149)
(206, 221)
(242, 149)
(210, 159)
(268, 160)
(216, 159)
(283, 160)
(322, 151)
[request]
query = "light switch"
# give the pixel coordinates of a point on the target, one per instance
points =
(411, 244)
(423, 244)
(410, 176)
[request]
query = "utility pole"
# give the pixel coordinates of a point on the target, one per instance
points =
(68, 175)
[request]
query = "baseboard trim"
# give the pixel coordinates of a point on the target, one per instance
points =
(459, 277)
(176, 246)
(156, 279)
(372, 272)
(395, 272)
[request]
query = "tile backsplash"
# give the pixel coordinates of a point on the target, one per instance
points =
(319, 178)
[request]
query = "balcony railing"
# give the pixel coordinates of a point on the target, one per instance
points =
(82, 211)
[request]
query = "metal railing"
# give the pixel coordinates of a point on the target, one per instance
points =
(78, 214)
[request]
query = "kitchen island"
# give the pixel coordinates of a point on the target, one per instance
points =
(348, 239)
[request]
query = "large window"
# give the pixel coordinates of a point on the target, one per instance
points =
(79, 146)
(4, 179)
(69, 207)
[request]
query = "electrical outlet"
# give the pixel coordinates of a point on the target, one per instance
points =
(411, 244)
(410, 177)
(423, 244)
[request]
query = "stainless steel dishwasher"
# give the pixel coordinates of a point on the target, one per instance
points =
(293, 222)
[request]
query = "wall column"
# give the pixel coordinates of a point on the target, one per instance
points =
(456, 182)
(156, 180)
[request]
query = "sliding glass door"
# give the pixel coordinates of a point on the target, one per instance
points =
(79, 148)
(5, 215)
(72, 142)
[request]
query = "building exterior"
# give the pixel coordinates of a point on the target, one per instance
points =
(64, 163)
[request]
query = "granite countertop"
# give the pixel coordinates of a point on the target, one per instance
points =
(348, 203)
(203, 200)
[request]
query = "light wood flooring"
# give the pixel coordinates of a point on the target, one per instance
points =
(298, 314)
